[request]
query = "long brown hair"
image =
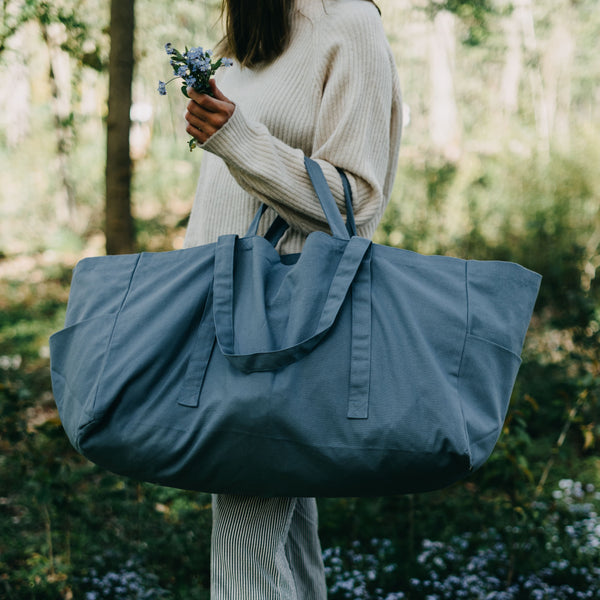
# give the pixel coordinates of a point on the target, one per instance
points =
(257, 31)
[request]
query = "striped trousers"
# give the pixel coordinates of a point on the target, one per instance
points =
(266, 549)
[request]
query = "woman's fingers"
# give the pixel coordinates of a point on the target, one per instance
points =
(205, 122)
(199, 128)
(198, 134)
(203, 102)
(207, 114)
(217, 93)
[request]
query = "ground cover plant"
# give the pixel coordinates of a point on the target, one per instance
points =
(552, 555)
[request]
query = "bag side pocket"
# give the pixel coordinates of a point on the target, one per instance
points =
(485, 382)
(77, 356)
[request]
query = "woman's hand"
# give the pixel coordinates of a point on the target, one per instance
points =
(207, 114)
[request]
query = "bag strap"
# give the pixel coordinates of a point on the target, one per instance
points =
(350, 223)
(276, 230)
(353, 276)
(279, 225)
(332, 213)
(250, 360)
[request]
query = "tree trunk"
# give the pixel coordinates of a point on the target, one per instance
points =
(443, 115)
(513, 64)
(60, 76)
(524, 13)
(119, 222)
(557, 69)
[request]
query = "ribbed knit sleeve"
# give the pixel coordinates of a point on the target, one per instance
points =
(352, 120)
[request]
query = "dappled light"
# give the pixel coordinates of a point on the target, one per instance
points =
(499, 161)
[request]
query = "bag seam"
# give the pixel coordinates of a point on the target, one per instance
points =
(460, 364)
(341, 447)
(491, 343)
(487, 435)
(79, 425)
(98, 414)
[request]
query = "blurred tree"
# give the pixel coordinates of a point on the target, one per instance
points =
(474, 13)
(12, 16)
(119, 222)
(444, 126)
(71, 36)
(54, 33)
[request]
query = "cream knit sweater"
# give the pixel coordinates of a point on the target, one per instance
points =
(334, 96)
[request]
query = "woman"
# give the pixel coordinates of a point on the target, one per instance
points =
(315, 78)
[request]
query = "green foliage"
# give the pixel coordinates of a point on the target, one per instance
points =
(83, 38)
(14, 14)
(544, 215)
(68, 528)
(475, 14)
(79, 529)
(63, 521)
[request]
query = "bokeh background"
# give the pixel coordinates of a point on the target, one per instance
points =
(500, 159)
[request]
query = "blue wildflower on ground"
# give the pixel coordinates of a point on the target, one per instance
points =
(554, 556)
(131, 582)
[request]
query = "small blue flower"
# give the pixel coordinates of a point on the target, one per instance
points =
(226, 62)
(169, 48)
(194, 53)
(203, 65)
(162, 88)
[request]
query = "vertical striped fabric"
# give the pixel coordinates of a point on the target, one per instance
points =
(266, 549)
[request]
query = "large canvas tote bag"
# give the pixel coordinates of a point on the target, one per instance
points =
(349, 369)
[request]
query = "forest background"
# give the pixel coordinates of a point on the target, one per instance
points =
(500, 159)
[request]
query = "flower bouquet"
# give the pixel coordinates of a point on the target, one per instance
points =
(195, 67)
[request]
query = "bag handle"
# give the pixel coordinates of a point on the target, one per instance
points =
(332, 213)
(250, 360)
(350, 223)
(279, 225)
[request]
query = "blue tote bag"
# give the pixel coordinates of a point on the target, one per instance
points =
(350, 369)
